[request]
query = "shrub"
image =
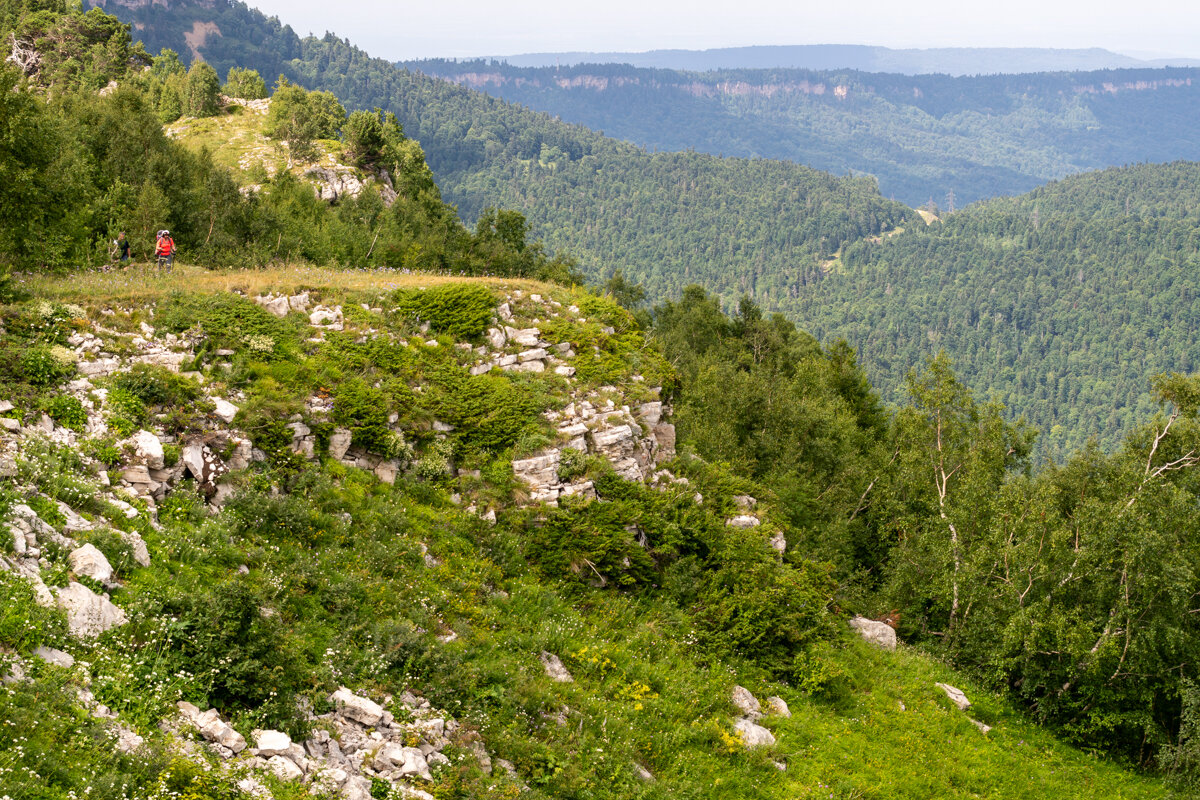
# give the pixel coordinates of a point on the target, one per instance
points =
(221, 631)
(230, 321)
(765, 610)
(43, 367)
(126, 411)
(364, 410)
(157, 386)
(572, 463)
(67, 411)
(103, 450)
(461, 310)
(24, 624)
(434, 464)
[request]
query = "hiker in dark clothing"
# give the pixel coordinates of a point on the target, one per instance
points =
(122, 247)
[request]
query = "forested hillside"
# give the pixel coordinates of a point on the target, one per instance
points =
(772, 230)
(1060, 303)
(665, 217)
(923, 137)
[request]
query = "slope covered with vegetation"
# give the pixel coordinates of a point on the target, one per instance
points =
(269, 584)
(381, 532)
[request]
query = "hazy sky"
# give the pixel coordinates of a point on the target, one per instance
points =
(494, 27)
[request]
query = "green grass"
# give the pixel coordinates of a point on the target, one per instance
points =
(337, 559)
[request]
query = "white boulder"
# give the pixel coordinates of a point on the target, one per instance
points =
(224, 410)
(88, 614)
(745, 702)
(148, 449)
(284, 768)
(877, 633)
(357, 708)
(272, 743)
(753, 734)
(956, 696)
(89, 562)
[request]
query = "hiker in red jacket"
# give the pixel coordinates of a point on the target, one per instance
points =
(164, 250)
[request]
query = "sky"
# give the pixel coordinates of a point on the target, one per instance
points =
(464, 28)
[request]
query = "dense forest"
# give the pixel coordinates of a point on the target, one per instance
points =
(1060, 303)
(922, 137)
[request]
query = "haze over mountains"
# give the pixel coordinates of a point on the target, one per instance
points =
(864, 58)
(922, 137)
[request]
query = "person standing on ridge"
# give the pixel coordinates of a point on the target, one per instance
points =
(164, 250)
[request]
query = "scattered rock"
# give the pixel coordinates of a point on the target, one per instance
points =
(141, 554)
(127, 740)
(339, 443)
(275, 305)
(956, 696)
(753, 735)
(554, 668)
(272, 743)
(879, 634)
(56, 657)
(743, 521)
(779, 707)
(745, 702)
(357, 708)
(89, 562)
(984, 729)
(225, 410)
(219, 732)
(284, 768)
(745, 502)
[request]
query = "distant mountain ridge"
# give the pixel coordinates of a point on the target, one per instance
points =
(955, 61)
(923, 137)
